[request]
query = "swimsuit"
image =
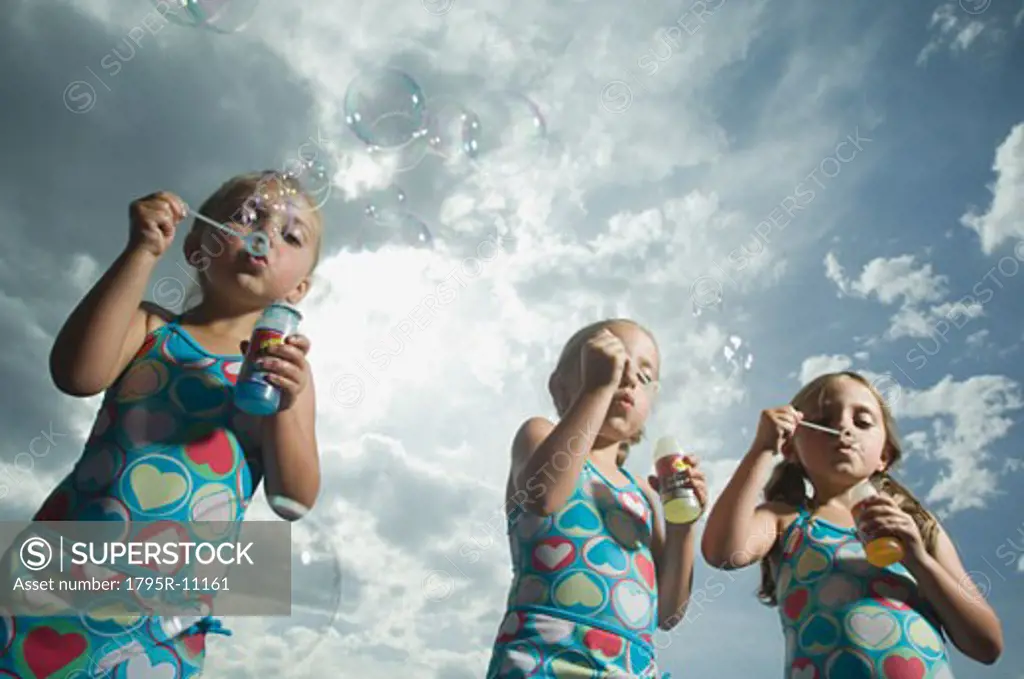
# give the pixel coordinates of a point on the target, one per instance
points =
(846, 619)
(584, 595)
(166, 446)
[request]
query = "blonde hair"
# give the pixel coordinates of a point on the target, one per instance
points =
(571, 353)
(788, 480)
(223, 206)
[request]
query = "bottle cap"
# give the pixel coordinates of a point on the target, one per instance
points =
(862, 491)
(667, 445)
(281, 304)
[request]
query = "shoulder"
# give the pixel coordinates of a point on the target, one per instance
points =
(530, 433)
(155, 315)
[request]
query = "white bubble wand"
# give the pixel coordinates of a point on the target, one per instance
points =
(819, 427)
(256, 243)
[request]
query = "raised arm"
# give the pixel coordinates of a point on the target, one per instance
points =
(546, 458)
(109, 325)
(739, 530)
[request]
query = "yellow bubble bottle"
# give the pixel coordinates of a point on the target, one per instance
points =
(679, 501)
(882, 551)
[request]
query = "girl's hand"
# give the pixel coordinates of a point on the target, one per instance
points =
(880, 516)
(152, 222)
(603, 360)
(692, 477)
(287, 365)
(776, 429)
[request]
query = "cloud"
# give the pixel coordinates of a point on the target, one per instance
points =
(1004, 218)
(956, 27)
(914, 287)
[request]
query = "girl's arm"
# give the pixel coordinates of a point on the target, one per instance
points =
(740, 531)
(107, 327)
(673, 551)
(971, 623)
(291, 457)
(547, 458)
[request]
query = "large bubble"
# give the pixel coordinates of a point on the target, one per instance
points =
(385, 108)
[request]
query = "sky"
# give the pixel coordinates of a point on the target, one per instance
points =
(774, 189)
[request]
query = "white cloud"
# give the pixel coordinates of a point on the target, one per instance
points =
(902, 280)
(1004, 218)
(954, 29)
(814, 366)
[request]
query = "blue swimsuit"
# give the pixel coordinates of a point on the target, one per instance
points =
(846, 619)
(584, 596)
(166, 446)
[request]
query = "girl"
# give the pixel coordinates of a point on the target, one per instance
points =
(842, 617)
(594, 572)
(167, 444)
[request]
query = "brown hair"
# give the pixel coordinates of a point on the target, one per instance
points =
(788, 480)
(571, 352)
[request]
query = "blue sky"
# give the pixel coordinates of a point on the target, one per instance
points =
(651, 181)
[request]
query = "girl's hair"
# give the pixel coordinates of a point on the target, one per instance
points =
(223, 205)
(571, 352)
(788, 481)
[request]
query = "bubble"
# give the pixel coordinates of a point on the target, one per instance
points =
(390, 199)
(221, 16)
(706, 294)
(447, 133)
(316, 587)
(257, 244)
(735, 356)
(504, 127)
(385, 108)
(316, 175)
(404, 228)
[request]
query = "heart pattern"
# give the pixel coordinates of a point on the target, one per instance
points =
(164, 445)
(843, 617)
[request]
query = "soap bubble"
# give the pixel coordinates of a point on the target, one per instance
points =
(735, 356)
(385, 108)
(390, 199)
(221, 16)
(316, 175)
(316, 587)
(403, 228)
(450, 123)
(257, 244)
(506, 128)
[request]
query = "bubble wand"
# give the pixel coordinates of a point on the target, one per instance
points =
(256, 243)
(827, 430)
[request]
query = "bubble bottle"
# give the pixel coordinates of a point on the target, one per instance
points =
(680, 502)
(254, 394)
(883, 551)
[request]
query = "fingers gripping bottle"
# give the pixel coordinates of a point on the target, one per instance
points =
(680, 502)
(254, 394)
(882, 551)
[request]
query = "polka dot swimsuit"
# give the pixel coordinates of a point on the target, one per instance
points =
(846, 619)
(584, 598)
(165, 447)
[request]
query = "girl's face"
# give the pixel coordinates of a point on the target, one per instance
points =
(849, 406)
(293, 229)
(635, 396)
